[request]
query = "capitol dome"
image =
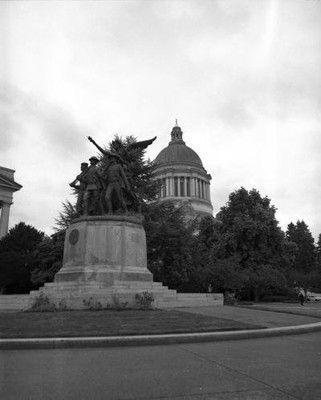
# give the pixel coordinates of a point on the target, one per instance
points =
(177, 152)
(181, 176)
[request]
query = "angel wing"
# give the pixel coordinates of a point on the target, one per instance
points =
(142, 144)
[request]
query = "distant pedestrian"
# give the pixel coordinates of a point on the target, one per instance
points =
(301, 299)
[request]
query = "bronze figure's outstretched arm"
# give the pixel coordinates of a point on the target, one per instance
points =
(106, 152)
(98, 147)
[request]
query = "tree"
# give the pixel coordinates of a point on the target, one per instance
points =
(226, 275)
(318, 265)
(14, 273)
(263, 279)
(318, 252)
(207, 231)
(21, 238)
(303, 269)
(170, 243)
(16, 258)
(66, 215)
(248, 228)
(47, 259)
(248, 242)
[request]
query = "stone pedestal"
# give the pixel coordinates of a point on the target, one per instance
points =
(105, 249)
(105, 265)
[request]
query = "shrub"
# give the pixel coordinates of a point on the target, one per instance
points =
(117, 304)
(42, 303)
(92, 304)
(145, 300)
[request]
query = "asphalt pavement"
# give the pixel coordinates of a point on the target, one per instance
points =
(278, 367)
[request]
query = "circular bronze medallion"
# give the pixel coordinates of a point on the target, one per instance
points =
(74, 236)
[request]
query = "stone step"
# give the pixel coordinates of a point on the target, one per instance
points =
(190, 303)
(60, 294)
(14, 302)
(131, 284)
(192, 295)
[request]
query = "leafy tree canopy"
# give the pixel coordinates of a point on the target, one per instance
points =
(248, 229)
(16, 256)
(305, 254)
(21, 238)
(170, 243)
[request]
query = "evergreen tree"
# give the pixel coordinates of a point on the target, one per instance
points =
(66, 215)
(21, 238)
(16, 258)
(318, 252)
(303, 267)
(170, 244)
(47, 259)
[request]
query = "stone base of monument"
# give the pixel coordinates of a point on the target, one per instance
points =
(105, 264)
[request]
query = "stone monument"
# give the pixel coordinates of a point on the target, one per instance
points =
(105, 256)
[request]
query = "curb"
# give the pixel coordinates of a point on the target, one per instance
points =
(148, 340)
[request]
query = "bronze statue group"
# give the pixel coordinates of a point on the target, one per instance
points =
(103, 187)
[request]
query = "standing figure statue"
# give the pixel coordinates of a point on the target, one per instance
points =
(80, 187)
(115, 179)
(116, 183)
(92, 179)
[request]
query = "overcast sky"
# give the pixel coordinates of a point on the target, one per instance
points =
(243, 78)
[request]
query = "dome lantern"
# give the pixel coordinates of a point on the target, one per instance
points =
(176, 135)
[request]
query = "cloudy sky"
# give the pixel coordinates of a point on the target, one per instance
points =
(242, 77)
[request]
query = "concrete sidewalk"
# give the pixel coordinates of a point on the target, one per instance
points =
(271, 315)
(279, 319)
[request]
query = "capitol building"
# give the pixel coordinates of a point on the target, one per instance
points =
(182, 177)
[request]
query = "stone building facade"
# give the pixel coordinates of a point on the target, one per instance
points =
(7, 187)
(181, 176)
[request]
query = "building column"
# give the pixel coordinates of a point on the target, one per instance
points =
(178, 186)
(171, 186)
(192, 183)
(208, 191)
(167, 186)
(4, 220)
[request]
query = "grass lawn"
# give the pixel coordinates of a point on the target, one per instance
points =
(110, 323)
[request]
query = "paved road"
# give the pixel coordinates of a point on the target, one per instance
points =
(271, 368)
